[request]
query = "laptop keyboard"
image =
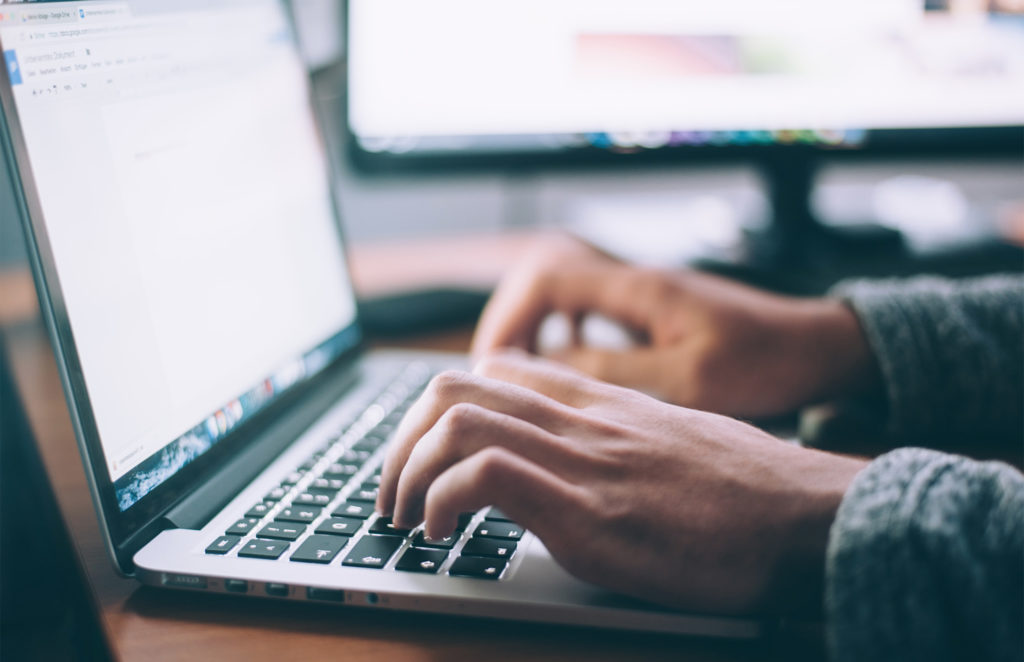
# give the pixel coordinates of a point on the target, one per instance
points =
(323, 511)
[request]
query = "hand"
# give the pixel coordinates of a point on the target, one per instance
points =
(685, 508)
(707, 342)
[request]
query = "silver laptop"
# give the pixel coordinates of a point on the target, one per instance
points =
(178, 204)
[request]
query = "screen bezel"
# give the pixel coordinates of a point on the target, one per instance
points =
(122, 529)
(881, 144)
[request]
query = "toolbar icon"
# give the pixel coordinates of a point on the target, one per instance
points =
(13, 70)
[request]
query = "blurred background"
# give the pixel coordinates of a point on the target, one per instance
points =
(669, 132)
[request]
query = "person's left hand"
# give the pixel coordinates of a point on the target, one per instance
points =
(677, 506)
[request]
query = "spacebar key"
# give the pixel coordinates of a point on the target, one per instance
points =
(373, 551)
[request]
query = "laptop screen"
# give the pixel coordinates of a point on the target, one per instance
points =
(186, 201)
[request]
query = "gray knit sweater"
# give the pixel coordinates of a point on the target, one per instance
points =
(926, 555)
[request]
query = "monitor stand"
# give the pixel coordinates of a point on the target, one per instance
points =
(797, 253)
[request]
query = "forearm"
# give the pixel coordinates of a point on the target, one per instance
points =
(926, 561)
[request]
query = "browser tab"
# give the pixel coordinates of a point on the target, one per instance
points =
(94, 12)
(31, 15)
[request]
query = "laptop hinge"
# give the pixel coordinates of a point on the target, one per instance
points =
(218, 488)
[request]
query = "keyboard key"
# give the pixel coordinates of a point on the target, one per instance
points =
(464, 520)
(260, 509)
(495, 515)
(481, 568)
(293, 478)
(341, 470)
(242, 526)
(503, 530)
(383, 526)
(311, 499)
(326, 485)
(372, 481)
(354, 509)
(319, 549)
(263, 549)
(489, 547)
(276, 494)
(366, 496)
(355, 457)
(368, 444)
(421, 540)
(421, 560)
(222, 545)
(372, 551)
(339, 526)
(281, 531)
(304, 514)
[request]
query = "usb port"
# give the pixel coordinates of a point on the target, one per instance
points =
(277, 590)
(236, 585)
(333, 595)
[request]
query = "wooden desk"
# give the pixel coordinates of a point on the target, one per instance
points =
(144, 623)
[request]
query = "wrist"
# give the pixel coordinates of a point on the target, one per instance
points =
(797, 585)
(840, 359)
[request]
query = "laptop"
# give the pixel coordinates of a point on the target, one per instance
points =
(182, 228)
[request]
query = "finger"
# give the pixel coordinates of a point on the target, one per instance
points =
(450, 388)
(555, 380)
(531, 495)
(513, 314)
(598, 284)
(466, 429)
(644, 368)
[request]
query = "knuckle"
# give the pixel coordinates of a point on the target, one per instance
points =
(491, 466)
(538, 284)
(446, 385)
(460, 419)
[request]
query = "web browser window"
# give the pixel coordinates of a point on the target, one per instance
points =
(187, 203)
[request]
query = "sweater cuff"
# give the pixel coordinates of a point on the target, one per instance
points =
(924, 560)
(901, 349)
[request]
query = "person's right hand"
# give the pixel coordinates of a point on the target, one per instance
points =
(707, 342)
(685, 508)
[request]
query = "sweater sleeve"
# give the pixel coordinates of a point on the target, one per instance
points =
(951, 353)
(926, 561)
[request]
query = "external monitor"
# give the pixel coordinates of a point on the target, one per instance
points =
(536, 83)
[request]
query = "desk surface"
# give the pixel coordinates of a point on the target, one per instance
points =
(144, 623)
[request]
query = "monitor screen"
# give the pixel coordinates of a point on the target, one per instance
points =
(461, 76)
(181, 187)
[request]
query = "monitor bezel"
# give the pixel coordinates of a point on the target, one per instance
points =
(124, 532)
(879, 144)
